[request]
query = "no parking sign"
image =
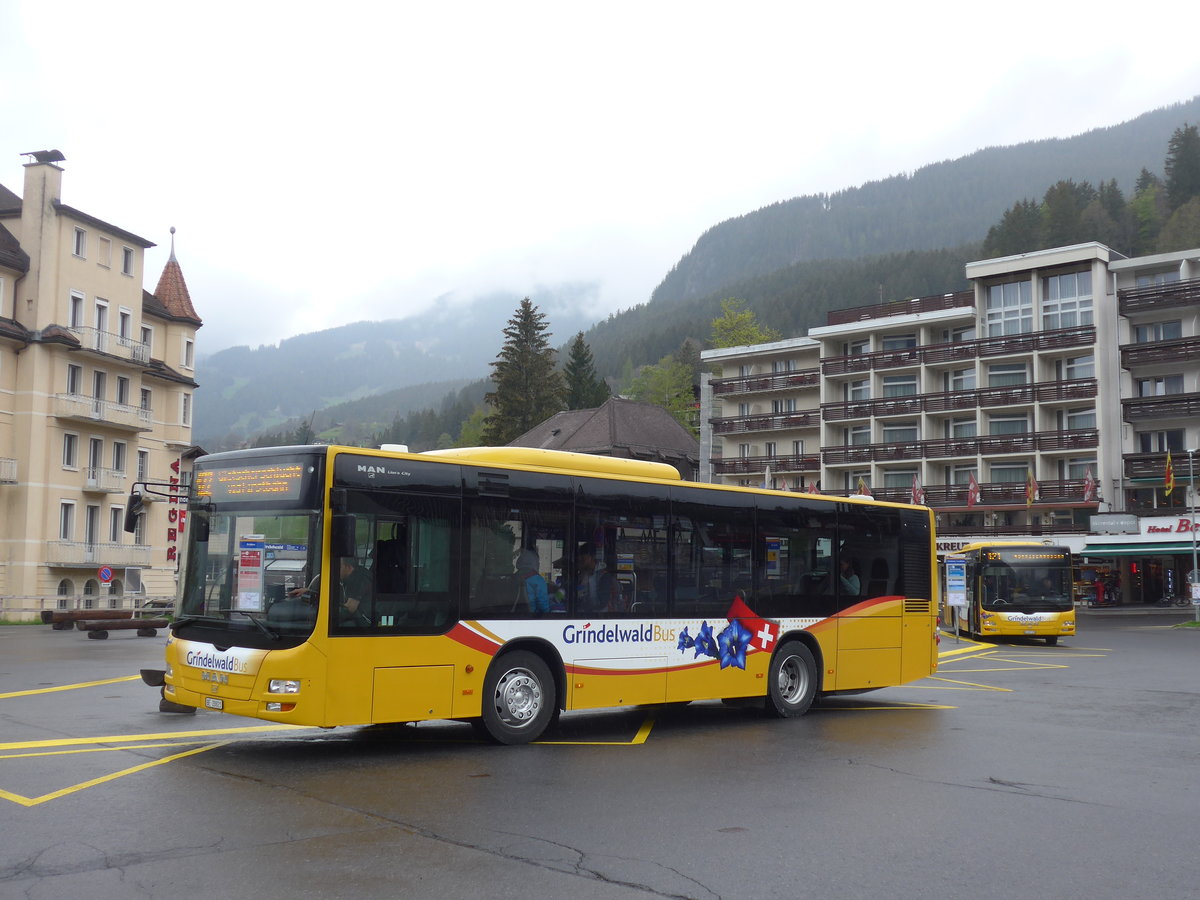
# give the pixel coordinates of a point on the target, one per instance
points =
(104, 573)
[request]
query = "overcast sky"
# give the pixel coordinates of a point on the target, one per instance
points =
(332, 162)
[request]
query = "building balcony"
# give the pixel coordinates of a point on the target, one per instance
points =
(1058, 339)
(1152, 467)
(1158, 297)
(79, 408)
(949, 401)
(89, 555)
(993, 495)
(808, 418)
(104, 481)
(1035, 529)
(8, 470)
(961, 299)
(1170, 406)
(966, 447)
(111, 344)
(775, 381)
(758, 465)
(1159, 352)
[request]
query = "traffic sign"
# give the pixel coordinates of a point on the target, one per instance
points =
(105, 574)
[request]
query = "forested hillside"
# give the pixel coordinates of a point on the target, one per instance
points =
(939, 205)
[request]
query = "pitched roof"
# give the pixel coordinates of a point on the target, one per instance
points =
(9, 202)
(172, 293)
(11, 254)
(11, 328)
(621, 428)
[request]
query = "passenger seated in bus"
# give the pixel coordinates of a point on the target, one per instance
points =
(848, 578)
(537, 596)
(595, 590)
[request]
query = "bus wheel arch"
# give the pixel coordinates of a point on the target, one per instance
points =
(793, 680)
(521, 694)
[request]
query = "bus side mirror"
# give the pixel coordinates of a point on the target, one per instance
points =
(342, 536)
(133, 509)
(200, 530)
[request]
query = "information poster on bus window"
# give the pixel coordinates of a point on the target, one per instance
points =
(773, 550)
(251, 562)
(956, 581)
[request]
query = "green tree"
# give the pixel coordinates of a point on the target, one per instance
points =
(471, 433)
(1182, 230)
(1062, 213)
(585, 389)
(528, 387)
(1018, 231)
(1182, 168)
(738, 327)
(669, 385)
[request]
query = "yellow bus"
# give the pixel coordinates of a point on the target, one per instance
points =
(336, 586)
(1019, 589)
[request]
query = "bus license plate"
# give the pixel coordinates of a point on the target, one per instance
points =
(1027, 631)
(214, 702)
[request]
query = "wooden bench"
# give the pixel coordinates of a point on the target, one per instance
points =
(98, 629)
(65, 619)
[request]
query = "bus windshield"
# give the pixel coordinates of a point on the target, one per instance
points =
(252, 573)
(1028, 587)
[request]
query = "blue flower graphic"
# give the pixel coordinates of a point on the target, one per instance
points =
(685, 641)
(734, 641)
(705, 645)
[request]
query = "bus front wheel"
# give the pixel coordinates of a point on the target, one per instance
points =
(518, 698)
(792, 682)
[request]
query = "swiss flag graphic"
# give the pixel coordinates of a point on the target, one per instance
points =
(763, 633)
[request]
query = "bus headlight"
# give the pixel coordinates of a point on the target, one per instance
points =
(284, 686)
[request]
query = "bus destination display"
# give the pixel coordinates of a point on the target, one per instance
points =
(276, 482)
(1039, 556)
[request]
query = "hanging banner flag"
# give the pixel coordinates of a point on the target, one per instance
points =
(812, 488)
(974, 495)
(918, 491)
(1031, 489)
(1169, 478)
(863, 488)
(1089, 486)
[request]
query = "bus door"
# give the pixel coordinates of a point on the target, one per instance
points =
(866, 565)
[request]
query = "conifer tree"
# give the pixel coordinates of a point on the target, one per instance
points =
(528, 388)
(1182, 167)
(585, 389)
(737, 326)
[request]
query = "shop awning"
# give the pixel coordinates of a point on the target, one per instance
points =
(1148, 548)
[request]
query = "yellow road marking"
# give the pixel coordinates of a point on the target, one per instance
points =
(967, 685)
(70, 687)
(152, 736)
(54, 795)
(640, 738)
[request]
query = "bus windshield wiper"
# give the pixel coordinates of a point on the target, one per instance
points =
(262, 626)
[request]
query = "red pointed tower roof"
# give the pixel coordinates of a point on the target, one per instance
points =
(172, 290)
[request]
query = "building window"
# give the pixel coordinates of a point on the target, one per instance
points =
(1009, 473)
(101, 315)
(745, 370)
(70, 458)
(853, 479)
(122, 390)
(743, 409)
(900, 432)
(744, 451)
(146, 398)
(80, 246)
(1077, 469)
(1158, 279)
(960, 380)
(118, 456)
(116, 524)
(962, 428)
(1161, 441)
(898, 341)
(769, 449)
(126, 260)
(1067, 300)
(189, 351)
(858, 390)
(954, 335)
(784, 405)
(148, 338)
(124, 326)
(858, 435)
(143, 465)
(186, 410)
(104, 252)
(74, 379)
(899, 478)
(1158, 331)
(783, 365)
(1004, 424)
(75, 312)
(1009, 309)
(797, 448)
(1007, 374)
(1160, 386)
(1079, 419)
(1077, 367)
(856, 348)
(66, 520)
(962, 474)
(899, 385)
(139, 530)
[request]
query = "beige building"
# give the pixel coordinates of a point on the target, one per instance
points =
(96, 382)
(1057, 384)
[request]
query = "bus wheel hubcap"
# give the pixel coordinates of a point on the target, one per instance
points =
(518, 697)
(791, 680)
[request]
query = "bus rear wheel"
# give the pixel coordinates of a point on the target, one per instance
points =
(518, 698)
(792, 682)
(1052, 641)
